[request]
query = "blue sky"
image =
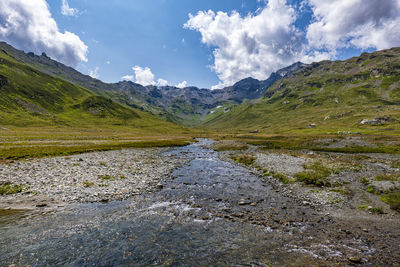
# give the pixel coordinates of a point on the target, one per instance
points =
(147, 34)
(207, 43)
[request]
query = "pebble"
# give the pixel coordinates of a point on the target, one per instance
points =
(79, 178)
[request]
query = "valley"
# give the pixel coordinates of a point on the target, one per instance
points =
(300, 169)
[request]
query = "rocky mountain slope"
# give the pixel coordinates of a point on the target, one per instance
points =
(360, 94)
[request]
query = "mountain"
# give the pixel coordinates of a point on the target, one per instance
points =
(185, 106)
(30, 97)
(359, 94)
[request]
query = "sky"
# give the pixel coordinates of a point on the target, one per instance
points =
(207, 43)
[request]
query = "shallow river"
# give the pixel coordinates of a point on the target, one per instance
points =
(210, 212)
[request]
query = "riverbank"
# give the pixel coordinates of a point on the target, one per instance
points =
(91, 177)
(346, 191)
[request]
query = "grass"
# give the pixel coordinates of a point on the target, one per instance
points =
(387, 177)
(18, 143)
(316, 174)
(281, 177)
(365, 180)
(382, 143)
(88, 184)
(230, 147)
(342, 191)
(393, 200)
(373, 210)
(107, 177)
(9, 189)
(245, 159)
(331, 95)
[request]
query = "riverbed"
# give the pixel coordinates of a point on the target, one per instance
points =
(207, 212)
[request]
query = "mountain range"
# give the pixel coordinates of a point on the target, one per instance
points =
(323, 96)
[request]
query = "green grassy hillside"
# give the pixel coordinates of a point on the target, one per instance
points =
(30, 98)
(324, 97)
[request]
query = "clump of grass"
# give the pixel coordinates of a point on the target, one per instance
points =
(245, 159)
(102, 185)
(88, 184)
(103, 163)
(373, 210)
(393, 200)
(121, 176)
(396, 164)
(364, 180)
(107, 177)
(316, 174)
(9, 189)
(281, 177)
(387, 177)
(371, 189)
(376, 210)
(342, 191)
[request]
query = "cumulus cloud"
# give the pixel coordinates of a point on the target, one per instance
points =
(258, 44)
(254, 45)
(66, 10)
(94, 73)
(162, 82)
(28, 25)
(182, 84)
(143, 76)
(358, 23)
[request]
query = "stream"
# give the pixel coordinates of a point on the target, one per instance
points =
(211, 212)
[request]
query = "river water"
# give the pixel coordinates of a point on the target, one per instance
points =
(211, 212)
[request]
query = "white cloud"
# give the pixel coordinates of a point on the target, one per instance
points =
(128, 77)
(94, 73)
(143, 76)
(255, 45)
(358, 23)
(182, 84)
(28, 25)
(66, 10)
(108, 62)
(258, 44)
(162, 82)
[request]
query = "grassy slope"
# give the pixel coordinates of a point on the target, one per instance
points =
(335, 96)
(31, 98)
(41, 115)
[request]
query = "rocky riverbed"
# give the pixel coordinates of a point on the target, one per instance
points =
(91, 177)
(203, 207)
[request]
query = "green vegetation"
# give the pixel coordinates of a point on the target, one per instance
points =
(36, 150)
(245, 159)
(281, 177)
(342, 191)
(371, 189)
(325, 97)
(387, 177)
(88, 184)
(230, 146)
(365, 180)
(393, 200)
(373, 210)
(9, 189)
(107, 177)
(316, 174)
